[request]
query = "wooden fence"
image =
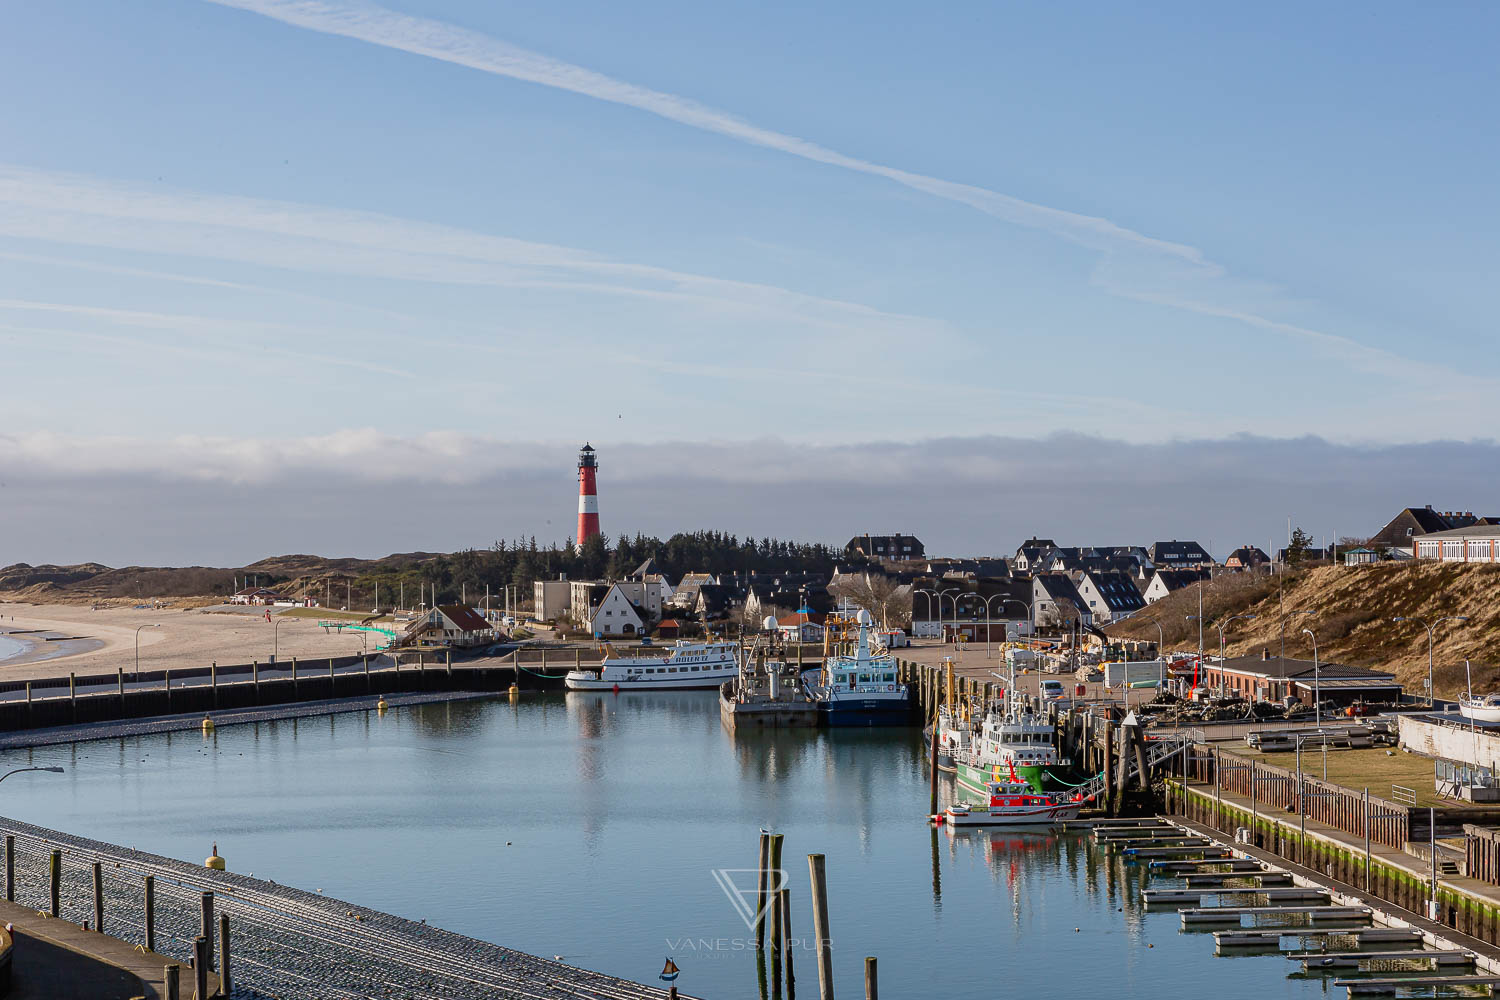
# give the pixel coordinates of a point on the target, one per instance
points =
(1389, 823)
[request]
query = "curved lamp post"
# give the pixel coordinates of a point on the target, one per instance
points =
(1317, 690)
(927, 594)
(1429, 628)
(276, 628)
(1221, 626)
(1161, 643)
(941, 595)
(137, 651)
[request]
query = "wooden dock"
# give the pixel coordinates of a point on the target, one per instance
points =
(1391, 986)
(1233, 914)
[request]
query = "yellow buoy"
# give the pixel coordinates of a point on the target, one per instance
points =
(214, 861)
(208, 724)
(514, 692)
(381, 706)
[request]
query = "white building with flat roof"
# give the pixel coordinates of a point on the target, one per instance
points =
(1476, 543)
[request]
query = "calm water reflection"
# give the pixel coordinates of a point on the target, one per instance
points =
(591, 825)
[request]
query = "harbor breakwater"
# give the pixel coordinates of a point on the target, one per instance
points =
(126, 695)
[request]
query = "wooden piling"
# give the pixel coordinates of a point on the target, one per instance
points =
(872, 990)
(448, 662)
(1138, 737)
(172, 979)
(150, 912)
(784, 906)
(760, 896)
(225, 985)
(73, 694)
(99, 897)
(818, 874)
(213, 680)
(120, 680)
(54, 869)
(206, 922)
(10, 868)
(1107, 747)
(202, 952)
(932, 773)
(255, 679)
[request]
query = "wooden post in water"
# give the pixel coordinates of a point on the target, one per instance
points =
(54, 870)
(760, 896)
(1107, 746)
(817, 872)
(166, 680)
(255, 679)
(120, 679)
(776, 879)
(784, 907)
(330, 675)
(448, 663)
(213, 680)
(99, 897)
(872, 989)
(150, 913)
(932, 802)
(202, 952)
(10, 868)
(206, 923)
(225, 986)
(73, 694)
(172, 979)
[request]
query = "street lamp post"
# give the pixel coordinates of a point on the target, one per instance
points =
(138, 648)
(1221, 626)
(1161, 656)
(1317, 690)
(1430, 628)
(275, 628)
(989, 615)
(941, 595)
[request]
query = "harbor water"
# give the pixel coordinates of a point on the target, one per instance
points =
(613, 830)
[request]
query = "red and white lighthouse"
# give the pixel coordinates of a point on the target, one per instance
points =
(588, 495)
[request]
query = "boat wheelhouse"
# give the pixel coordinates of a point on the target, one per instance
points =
(858, 684)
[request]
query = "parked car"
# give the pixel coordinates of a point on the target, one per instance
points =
(1053, 690)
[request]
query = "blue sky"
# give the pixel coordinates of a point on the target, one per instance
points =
(225, 227)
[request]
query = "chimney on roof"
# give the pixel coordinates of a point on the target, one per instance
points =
(1429, 506)
(1265, 652)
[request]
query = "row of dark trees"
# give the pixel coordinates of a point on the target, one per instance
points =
(521, 562)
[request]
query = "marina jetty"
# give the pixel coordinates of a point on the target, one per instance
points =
(271, 940)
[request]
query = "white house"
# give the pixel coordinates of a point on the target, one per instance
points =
(1476, 543)
(1166, 581)
(1110, 596)
(618, 615)
(454, 625)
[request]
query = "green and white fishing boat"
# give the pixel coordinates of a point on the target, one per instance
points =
(1013, 745)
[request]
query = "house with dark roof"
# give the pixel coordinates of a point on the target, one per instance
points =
(617, 614)
(1414, 522)
(1265, 677)
(1167, 581)
(1179, 555)
(898, 548)
(1110, 596)
(452, 625)
(1054, 600)
(1246, 557)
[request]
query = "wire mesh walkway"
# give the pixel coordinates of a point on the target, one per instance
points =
(288, 943)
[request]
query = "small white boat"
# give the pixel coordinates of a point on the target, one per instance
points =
(1483, 708)
(1015, 803)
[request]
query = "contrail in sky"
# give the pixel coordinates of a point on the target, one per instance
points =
(453, 44)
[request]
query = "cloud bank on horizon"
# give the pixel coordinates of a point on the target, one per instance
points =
(198, 500)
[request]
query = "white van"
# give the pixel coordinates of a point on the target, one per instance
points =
(1053, 690)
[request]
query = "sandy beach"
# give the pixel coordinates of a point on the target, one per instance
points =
(105, 639)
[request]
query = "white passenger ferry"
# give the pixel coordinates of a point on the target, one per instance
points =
(686, 664)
